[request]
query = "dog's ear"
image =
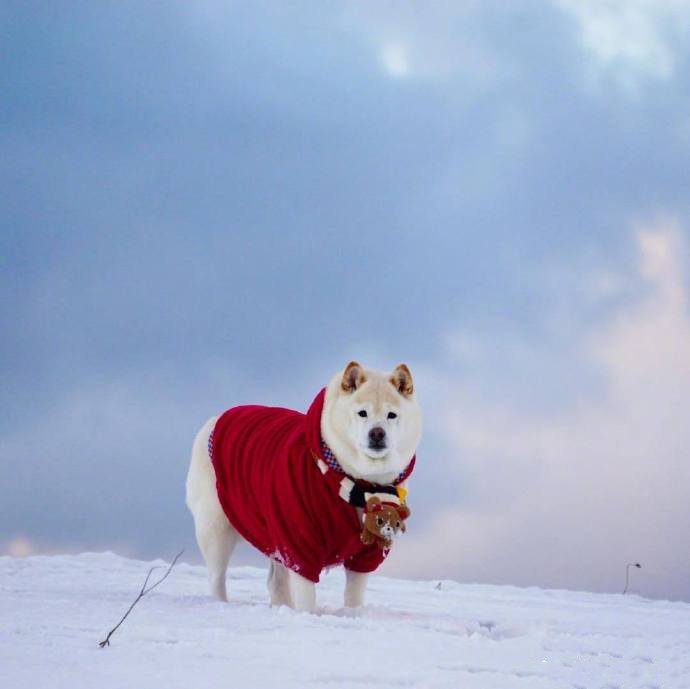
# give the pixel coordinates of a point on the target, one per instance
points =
(402, 380)
(353, 377)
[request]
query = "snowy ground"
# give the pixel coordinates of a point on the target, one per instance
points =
(54, 610)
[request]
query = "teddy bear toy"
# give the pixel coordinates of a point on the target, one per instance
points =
(383, 521)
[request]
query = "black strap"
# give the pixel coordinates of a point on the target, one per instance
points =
(358, 493)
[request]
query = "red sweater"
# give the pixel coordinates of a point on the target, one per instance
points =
(276, 497)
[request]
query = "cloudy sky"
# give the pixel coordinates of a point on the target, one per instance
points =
(211, 203)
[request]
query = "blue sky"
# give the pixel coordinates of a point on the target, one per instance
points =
(212, 203)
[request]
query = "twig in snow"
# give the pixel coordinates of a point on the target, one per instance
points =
(142, 593)
(627, 573)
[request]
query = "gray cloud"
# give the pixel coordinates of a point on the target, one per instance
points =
(218, 203)
(567, 496)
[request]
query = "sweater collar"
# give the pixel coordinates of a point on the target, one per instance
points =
(333, 463)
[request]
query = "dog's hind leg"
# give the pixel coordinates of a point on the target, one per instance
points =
(278, 584)
(217, 539)
(214, 533)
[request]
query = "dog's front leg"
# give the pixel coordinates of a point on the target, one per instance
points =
(302, 593)
(355, 586)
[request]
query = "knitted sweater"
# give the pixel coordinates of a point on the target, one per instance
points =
(277, 498)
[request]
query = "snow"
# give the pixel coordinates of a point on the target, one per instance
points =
(54, 610)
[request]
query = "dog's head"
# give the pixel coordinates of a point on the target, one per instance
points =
(372, 421)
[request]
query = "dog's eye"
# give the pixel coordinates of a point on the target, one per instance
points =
(362, 413)
(397, 525)
(379, 521)
(392, 415)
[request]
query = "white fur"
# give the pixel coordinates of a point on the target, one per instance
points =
(346, 433)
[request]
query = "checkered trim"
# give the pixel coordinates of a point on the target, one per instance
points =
(334, 464)
(330, 458)
(210, 445)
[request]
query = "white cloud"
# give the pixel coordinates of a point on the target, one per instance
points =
(430, 41)
(567, 499)
(631, 39)
(394, 59)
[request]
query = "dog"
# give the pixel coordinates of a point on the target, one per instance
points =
(293, 485)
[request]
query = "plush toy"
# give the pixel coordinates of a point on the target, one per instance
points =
(383, 521)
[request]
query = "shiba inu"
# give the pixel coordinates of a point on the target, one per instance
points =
(294, 485)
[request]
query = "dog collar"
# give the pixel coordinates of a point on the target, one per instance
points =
(356, 492)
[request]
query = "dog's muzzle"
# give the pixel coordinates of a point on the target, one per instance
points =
(377, 438)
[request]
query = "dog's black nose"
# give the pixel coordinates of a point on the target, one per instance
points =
(377, 437)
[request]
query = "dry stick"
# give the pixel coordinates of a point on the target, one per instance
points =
(142, 593)
(627, 573)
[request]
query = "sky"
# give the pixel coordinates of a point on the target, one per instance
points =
(213, 203)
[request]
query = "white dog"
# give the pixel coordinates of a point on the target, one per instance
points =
(294, 485)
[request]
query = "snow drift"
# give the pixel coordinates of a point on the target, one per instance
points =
(55, 610)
